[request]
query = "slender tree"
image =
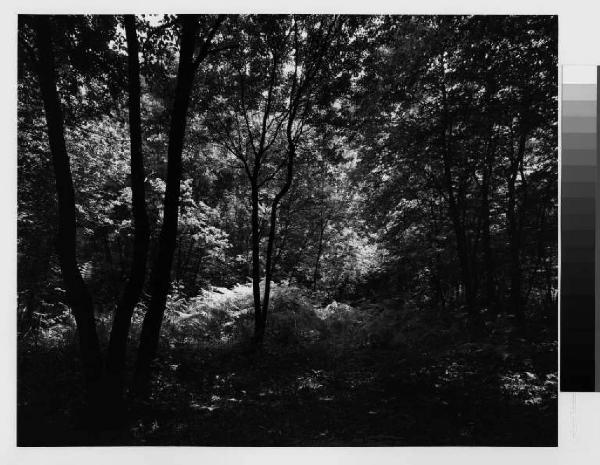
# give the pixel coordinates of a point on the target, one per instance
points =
(135, 283)
(271, 102)
(78, 295)
(161, 271)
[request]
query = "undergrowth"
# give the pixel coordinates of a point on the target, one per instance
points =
(398, 372)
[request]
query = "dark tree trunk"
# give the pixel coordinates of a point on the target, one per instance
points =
(160, 278)
(489, 264)
(261, 309)
(322, 226)
(133, 289)
(488, 258)
(437, 287)
(455, 208)
(461, 236)
(437, 284)
(297, 91)
(490, 295)
(77, 292)
(291, 153)
(515, 234)
(259, 322)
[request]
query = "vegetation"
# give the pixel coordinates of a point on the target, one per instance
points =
(287, 230)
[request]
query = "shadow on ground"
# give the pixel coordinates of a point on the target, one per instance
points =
(305, 396)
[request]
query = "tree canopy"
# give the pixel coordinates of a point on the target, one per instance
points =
(221, 169)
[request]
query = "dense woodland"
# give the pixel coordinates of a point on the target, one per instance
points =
(287, 230)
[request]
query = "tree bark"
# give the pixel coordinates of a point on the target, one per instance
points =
(259, 322)
(488, 258)
(322, 226)
(77, 293)
(160, 278)
(298, 89)
(291, 154)
(459, 232)
(455, 208)
(135, 283)
(514, 232)
(486, 185)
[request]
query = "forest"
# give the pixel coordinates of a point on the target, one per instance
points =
(287, 230)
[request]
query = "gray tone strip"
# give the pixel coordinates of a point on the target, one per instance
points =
(578, 189)
(578, 239)
(578, 157)
(579, 92)
(578, 173)
(576, 206)
(578, 222)
(579, 141)
(579, 124)
(578, 108)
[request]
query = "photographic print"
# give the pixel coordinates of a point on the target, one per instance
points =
(287, 230)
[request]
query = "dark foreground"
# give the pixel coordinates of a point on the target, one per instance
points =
(438, 389)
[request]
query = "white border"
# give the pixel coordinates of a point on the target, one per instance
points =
(579, 414)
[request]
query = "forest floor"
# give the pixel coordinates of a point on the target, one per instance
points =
(497, 389)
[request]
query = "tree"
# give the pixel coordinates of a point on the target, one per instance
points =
(314, 181)
(160, 278)
(77, 291)
(133, 288)
(268, 96)
(78, 295)
(467, 126)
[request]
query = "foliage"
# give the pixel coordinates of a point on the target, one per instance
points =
(394, 177)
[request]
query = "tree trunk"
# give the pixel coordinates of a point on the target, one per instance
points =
(486, 185)
(455, 208)
(160, 280)
(322, 226)
(291, 153)
(515, 235)
(488, 259)
(461, 238)
(77, 293)
(259, 322)
(135, 283)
